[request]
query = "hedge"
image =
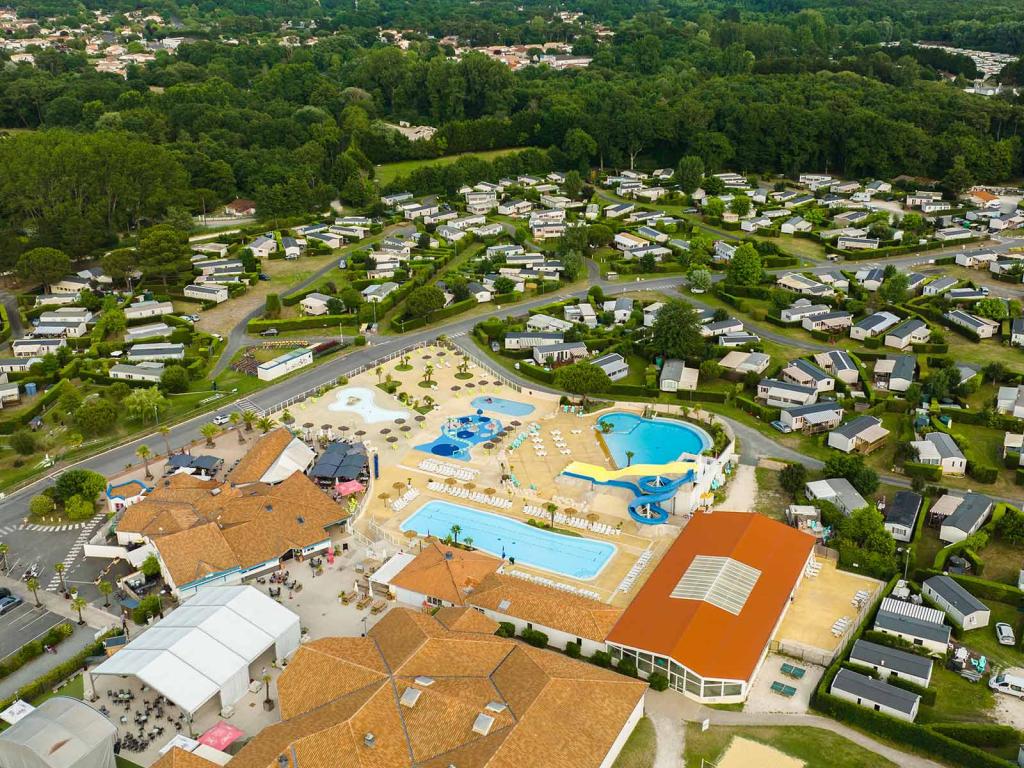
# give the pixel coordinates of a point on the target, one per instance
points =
(8, 426)
(536, 372)
(5, 324)
(34, 648)
(979, 734)
(763, 412)
(980, 588)
(928, 472)
(57, 675)
(300, 323)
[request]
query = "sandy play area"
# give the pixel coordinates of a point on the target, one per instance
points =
(744, 753)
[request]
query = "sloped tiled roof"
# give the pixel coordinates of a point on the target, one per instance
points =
(444, 572)
(259, 459)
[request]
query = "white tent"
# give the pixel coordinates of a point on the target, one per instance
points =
(205, 647)
(60, 733)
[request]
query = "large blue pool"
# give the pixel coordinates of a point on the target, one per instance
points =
(652, 441)
(502, 406)
(573, 556)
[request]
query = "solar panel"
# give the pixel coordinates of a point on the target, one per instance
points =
(720, 581)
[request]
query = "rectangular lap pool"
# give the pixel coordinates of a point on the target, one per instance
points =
(572, 556)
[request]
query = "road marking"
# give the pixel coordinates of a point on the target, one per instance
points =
(76, 549)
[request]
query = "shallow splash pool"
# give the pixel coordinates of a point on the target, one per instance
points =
(502, 406)
(459, 435)
(360, 401)
(650, 441)
(574, 556)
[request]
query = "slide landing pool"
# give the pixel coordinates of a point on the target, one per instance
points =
(360, 401)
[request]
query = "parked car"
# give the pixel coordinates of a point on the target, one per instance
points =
(1009, 683)
(8, 604)
(783, 428)
(1004, 634)
(220, 418)
(4, 592)
(264, 276)
(269, 332)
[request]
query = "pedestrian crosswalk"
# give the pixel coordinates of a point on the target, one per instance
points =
(10, 529)
(76, 549)
(457, 335)
(245, 404)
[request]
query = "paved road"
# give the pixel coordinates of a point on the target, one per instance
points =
(13, 316)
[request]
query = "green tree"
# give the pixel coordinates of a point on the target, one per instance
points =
(40, 506)
(580, 148)
(79, 482)
(59, 569)
(96, 416)
(573, 184)
(582, 379)
(144, 453)
(740, 205)
(424, 300)
(745, 266)
(143, 404)
(504, 285)
(77, 508)
(793, 478)
(690, 173)
(676, 331)
(163, 252)
(33, 587)
(272, 306)
(209, 430)
(895, 289)
(43, 265)
(993, 308)
(121, 264)
(150, 567)
(714, 207)
(174, 379)
(958, 178)
(853, 468)
(105, 588)
(23, 441)
(699, 279)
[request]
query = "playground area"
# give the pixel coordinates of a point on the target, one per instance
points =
(744, 753)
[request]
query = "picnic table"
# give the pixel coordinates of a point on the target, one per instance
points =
(790, 670)
(363, 602)
(788, 691)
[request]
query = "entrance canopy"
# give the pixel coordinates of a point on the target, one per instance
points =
(205, 647)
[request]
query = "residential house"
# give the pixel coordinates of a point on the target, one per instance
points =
(962, 608)
(939, 449)
(901, 515)
(802, 308)
(738, 339)
(518, 340)
(870, 278)
(621, 309)
(652, 234)
(315, 303)
(850, 243)
(584, 314)
(36, 348)
(72, 284)
(724, 251)
(18, 364)
(292, 248)
(263, 246)
(967, 294)
(913, 331)
(1017, 332)
(807, 374)
(783, 394)
(795, 224)
(835, 279)
(651, 313)
(478, 292)
(839, 364)
(147, 331)
(141, 310)
(676, 377)
(213, 292)
(838, 491)
(794, 281)
(829, 322)
(613, 364)
(240, 208)
(895, 373)
(960, 515)
(1010, 400)
(886, 662)
(861, 435)
(721, 327)
(982, 327)
(149, 372)
(377, 292)
(515, 207)
(874, 694)
(812, 418)
(559, 354)
(618, 210)
(948, 234)
(939, 285)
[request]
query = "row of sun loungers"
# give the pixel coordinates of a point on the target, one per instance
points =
(635, 571)
(447, 470)
(465, 493)
(555, 584)
(860, 598)
(403, 501)
(813, 569)
(573, 522)
(840, 627)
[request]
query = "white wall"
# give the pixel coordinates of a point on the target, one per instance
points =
(627, 729)
(556, 637)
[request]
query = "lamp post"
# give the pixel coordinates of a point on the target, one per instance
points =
(905, 551)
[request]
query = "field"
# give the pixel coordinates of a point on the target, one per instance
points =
(816, 747)
(772, 500)
(390, 171)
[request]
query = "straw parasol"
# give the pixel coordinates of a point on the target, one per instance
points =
(392, 439)
(516, 423)
(420, 417)
(410, 534)
(398, 485)
(469, 486)
(360, 432)
(405, 428)
(498, 384)
(488, 446)
(384, 496)
(483, 382)
(456, 387)
(325, 427)
(399, 421)
(344, 427)
(571, 511)
(386, 431)
(489, 491)
(592, 517)
(308, 425)
(450, 481)
(470, 385)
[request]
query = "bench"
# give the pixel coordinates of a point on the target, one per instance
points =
(787, 691)
(790, 670)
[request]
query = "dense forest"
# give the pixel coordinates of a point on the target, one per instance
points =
(756, 87)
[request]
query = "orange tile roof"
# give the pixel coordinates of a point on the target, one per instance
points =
(335, 691)
(261, 456)
(179, 758)
(444, 572)
(538, 604)
(984, 195)
(709, 640)
(465, 620)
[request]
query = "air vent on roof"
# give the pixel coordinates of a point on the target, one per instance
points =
(482, 724)
(282, 760)
(448, 555)
(410, 696)
(300, 519)
(496, 706)
(269, 507)
(369, 740)
(425, 681)
(504, 605)
(215, 491)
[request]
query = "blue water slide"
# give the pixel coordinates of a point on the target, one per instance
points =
(649, 491)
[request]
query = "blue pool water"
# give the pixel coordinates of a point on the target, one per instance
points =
(576, 557)
(459, 435)
(503, 406)
(652, 441)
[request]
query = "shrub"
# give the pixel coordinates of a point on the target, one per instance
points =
(534, 637)
(979, 734)
(627, 667)
(174, 379)
(77, 508)
(148, 607)
(572, 650)
(40, 506)
(657, 681)
(23, 442)
(360, 341)
(150, 567)
(506, 629)
(80, 482)
(601, 659)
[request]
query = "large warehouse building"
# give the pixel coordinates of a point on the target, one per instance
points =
(706, 615)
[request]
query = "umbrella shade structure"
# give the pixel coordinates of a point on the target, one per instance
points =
(450, 481)
(349, 487)
(410, 534)
(488, 446)
(383, 496)
(325, 427)
(308, 425)
(483, 382)
(498, 384)
(344, 427)
(489, 491)
(406, 428)
(421, 417)
(399, 421)
(392, 439)
(360, 432)
(470, 385)
(456, 387)
(386, 431)
(398, 485)
(426, 357)
(469, 486)
(515, 423)
(571, 511)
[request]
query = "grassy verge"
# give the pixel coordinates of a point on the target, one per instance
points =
(390, 171)
(772, 500)
(639, 749)
(816, 747)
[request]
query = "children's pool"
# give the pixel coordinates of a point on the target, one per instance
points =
(360, 401)
(651, 441)
(574, 556)
(502, 406)
(459, 435)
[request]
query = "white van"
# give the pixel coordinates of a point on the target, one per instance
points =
(1008, 683)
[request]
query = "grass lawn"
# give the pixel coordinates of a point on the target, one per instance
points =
(772, 500)
(984, 641)
(390, 171)
(926, 547)
(1002, 561)
(816, 747)
(956, 699)
(638, 752)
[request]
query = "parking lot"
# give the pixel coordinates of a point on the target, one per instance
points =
(23, 624)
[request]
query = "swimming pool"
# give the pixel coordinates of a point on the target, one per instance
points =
(573, 556)
(502, 406)
(359, 400)
(652, 441)
(460, 434)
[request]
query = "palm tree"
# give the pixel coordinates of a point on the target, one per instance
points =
(456, 530)
(265, 424)
(59, 568)
(379, 370)
(629, 457)
(606, 427)
(236, 420)
(78, 604)
(209, 430)
(4, 549)
(144, 453)
(405, 361)
(468, 541)
(248, 417)
(165, 433)
(105, 588)
(551, 508)
(427, 373)
(463, 366)
(33, 587)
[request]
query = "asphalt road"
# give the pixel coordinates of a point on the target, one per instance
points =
(24, 624)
